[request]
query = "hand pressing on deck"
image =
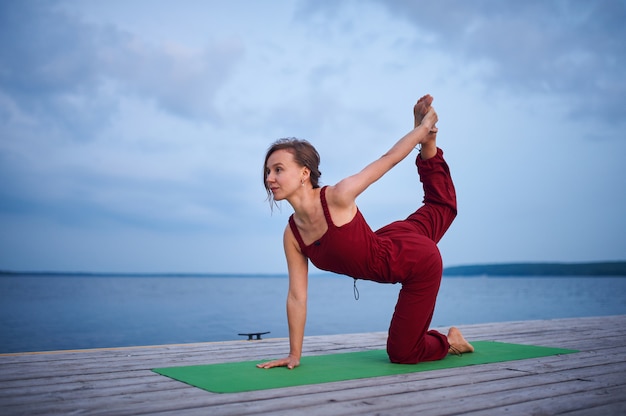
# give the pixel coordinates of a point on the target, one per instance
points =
(289, 362)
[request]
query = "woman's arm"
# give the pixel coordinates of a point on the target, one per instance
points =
(345, 192)
(297, 265)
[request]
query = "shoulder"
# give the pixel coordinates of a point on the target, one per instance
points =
(288, 233)
(289, 240)
(341, 205)
(339, 196)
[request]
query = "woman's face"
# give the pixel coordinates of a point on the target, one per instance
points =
(283, 175)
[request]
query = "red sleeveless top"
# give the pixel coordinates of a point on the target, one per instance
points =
(389, 255)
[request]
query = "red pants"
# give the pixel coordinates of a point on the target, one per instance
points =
(410, 341)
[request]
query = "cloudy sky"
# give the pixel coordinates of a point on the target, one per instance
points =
(132, 133)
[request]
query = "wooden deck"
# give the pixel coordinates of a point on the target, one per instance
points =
(119, 381)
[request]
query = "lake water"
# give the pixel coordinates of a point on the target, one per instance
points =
(40, 313)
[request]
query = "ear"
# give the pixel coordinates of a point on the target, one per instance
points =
(306, 173)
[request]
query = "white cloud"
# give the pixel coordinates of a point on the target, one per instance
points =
(122, 129)
(180, 80)
(569, 48)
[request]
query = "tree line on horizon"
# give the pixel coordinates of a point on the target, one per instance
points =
(612, 268)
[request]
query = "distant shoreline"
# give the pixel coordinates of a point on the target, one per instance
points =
(134, 274)
(609, 268)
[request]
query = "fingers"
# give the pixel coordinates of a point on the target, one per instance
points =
(430, 120)
(431, 117)
(285, 362)
(270, 364)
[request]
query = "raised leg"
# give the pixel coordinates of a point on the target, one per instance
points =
(439, 210)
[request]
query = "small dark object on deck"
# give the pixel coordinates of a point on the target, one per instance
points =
(254, 334)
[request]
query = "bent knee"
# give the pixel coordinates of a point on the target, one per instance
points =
(401, 355)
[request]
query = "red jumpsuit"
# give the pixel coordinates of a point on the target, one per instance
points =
(402, 252)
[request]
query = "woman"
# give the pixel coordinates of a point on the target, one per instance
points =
(328, 228)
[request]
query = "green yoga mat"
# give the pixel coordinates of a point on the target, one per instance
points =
(245, 376)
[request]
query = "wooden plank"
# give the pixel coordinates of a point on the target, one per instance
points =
(386, 395)
(118, 381)
(99, 385)
(603, 408)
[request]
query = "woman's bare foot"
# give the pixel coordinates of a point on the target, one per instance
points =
(458, 344)
(428, 147)
(421, 108)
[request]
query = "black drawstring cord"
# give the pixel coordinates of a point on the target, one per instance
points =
(356, 291)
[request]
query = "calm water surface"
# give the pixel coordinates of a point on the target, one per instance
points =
(40, 313)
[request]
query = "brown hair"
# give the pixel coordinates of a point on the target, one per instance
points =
(304, 154)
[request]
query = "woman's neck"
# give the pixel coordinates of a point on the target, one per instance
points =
(307, 205)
